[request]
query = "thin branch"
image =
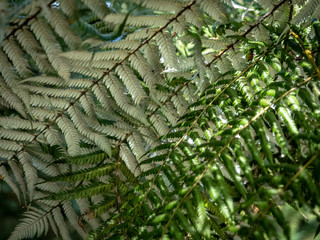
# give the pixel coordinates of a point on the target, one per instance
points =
(26, 21)
(248, 31)
(307, 52)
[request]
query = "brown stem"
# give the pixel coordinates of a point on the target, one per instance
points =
(26, 21)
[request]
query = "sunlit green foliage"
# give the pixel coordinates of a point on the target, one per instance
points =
(164, 119)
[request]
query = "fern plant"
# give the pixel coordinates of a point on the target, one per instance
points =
(164, 119)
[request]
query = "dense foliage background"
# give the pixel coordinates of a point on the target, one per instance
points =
(160, 119)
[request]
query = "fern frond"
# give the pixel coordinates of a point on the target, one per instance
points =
(43, 33)
(218, 12)
(160, 119)
(34, 223)
(62, 28)
(307, 10)
(167, 50)
(98, 7)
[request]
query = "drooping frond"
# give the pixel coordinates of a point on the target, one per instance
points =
(161, 119)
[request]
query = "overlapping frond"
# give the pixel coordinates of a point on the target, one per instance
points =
(167, 120)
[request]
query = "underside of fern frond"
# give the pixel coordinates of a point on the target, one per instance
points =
(161, 119)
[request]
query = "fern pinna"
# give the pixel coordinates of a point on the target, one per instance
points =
(164, 119)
